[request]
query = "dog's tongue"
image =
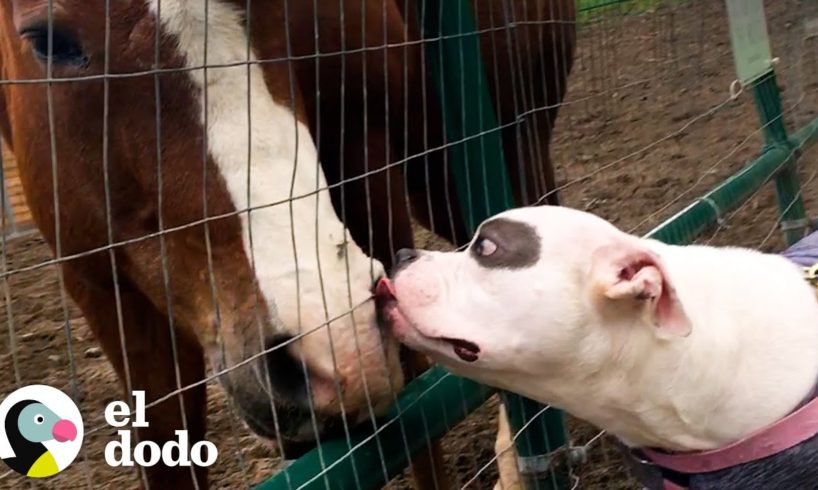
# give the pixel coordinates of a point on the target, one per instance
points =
(385, 290)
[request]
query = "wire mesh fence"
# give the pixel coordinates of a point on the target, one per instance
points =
(174, 175)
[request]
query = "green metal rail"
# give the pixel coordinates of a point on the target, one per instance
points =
(777, 161)
(437, 400)
(432, 404)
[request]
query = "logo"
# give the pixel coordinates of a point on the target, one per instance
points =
(177, 452)
(40, 431)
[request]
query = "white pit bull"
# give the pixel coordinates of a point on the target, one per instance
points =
(672, 349)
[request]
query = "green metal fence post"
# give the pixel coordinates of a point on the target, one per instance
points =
(454, 62)
(754, 67)
(484, 189)
(767, 97)
(542, 440)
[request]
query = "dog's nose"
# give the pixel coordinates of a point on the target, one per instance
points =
(404, 257)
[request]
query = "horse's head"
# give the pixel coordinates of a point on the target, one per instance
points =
(217, 168)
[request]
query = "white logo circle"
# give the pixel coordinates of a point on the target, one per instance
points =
(40, 431)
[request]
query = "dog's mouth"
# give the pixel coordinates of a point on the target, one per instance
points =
(384, 293)
(391, 316)
(464, 349)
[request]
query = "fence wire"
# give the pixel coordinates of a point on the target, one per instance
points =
(647, 125)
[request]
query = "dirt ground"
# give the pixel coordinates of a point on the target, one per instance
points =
(646, 128)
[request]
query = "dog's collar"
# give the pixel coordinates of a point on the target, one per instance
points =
(664, 471)
(658, 470)
(674, 470)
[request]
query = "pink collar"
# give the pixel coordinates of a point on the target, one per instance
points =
(788, 432)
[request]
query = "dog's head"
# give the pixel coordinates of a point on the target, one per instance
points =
(538, 292)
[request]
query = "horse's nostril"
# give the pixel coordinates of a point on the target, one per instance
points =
(285, 370)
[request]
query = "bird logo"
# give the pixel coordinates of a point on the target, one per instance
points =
(41, 431)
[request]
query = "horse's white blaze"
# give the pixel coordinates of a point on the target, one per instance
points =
(309, 227)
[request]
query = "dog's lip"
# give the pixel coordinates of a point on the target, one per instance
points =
(386, 300)
(383, 293)
(466, 350)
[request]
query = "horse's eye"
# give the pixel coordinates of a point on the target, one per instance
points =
(64, 47)
(39, 419)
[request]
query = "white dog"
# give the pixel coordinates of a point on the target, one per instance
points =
(677, 348)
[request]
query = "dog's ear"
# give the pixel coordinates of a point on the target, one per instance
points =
(627, 273)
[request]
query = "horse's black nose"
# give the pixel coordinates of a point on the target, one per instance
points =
(404, 257)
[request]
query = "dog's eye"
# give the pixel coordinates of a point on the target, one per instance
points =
(39, 419)
(64, 47)
(485, 247)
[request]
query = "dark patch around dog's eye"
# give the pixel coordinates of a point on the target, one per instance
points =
(518, 244)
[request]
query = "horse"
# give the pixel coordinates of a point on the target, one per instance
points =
(222, 182)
